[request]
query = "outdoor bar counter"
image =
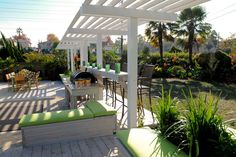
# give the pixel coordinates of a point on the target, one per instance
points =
(122, 77)
(72, 92)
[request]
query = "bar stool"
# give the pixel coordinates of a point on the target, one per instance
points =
(124, 68)
(110, 85)
(145, 84)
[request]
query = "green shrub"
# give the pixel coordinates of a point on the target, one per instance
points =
(207, 135)
(50, 65)
(177, 71)
(169, 120)
(110, 57)
(215, 66)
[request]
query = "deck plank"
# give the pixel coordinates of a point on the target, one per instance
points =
(56, 150)
(85, 150)
(46, 152)
(75, 150)
(101, 145)
(66, 151)
(37, 151)
(93, 148)
(17, 152)
(113, 151)
(27, 152)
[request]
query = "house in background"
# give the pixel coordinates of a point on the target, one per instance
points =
(23, 40)
(107, 44)
(45, 46)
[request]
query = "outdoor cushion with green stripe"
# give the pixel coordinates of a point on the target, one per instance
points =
(55, 117)
(98, 109)
(145, 142)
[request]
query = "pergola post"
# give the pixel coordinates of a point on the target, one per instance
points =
(81, 54)
(72, 60)
(132, 71)
(99, 49)
(85, 51)
(68, 58)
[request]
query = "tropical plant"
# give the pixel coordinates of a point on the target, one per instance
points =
(156, 32)
(206, 133)
(190, 25)
(110, 57)
(168, 117)
(14, 51)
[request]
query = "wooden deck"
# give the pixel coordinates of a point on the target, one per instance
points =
(93, 147)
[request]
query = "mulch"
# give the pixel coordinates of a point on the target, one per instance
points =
(11, 112)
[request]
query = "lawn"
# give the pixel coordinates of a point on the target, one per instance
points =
(226, 92)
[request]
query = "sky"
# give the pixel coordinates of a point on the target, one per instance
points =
(38, 18)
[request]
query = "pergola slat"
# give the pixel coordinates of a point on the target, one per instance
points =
(151, 4)
(163, 4)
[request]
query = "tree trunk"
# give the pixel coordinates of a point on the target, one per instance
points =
(190, 43)
(160, 32)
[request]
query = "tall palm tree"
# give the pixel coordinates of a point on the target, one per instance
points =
(19, 31)
(190, 25)
(155, 32)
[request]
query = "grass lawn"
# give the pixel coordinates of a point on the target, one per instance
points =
(227, 93)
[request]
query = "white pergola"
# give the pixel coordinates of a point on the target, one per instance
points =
(119, 17)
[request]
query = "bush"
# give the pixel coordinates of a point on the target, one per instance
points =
(216, 66)
(177, 71)
(110, 57)
(207, 135)
(50, 65)
(169, 120)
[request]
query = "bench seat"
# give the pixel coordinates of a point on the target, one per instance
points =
(145, 142)
(95, 119)
(55, 117)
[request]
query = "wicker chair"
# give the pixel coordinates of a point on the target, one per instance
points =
(20, 81)
(35, 79)
(9, 82)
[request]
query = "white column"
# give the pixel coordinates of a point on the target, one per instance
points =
(132, 71)
(85, 51)
(68, 58)
(99, 49)
(72, 60)
(81, 53)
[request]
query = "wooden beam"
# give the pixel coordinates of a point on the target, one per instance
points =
(107, 11)
(96, 31)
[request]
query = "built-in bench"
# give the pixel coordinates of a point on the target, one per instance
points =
(95, 119)
(145, 142)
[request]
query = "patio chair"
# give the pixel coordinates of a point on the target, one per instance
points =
(35, 79)
(9, 81)
(19, 81)
(124, 67)
(145, 84)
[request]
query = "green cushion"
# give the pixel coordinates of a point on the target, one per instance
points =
(144, 142)
(98, 109)
(55, 117)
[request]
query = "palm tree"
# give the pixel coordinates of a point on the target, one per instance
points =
(19, 31)
(190, 25)
(155, 32)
